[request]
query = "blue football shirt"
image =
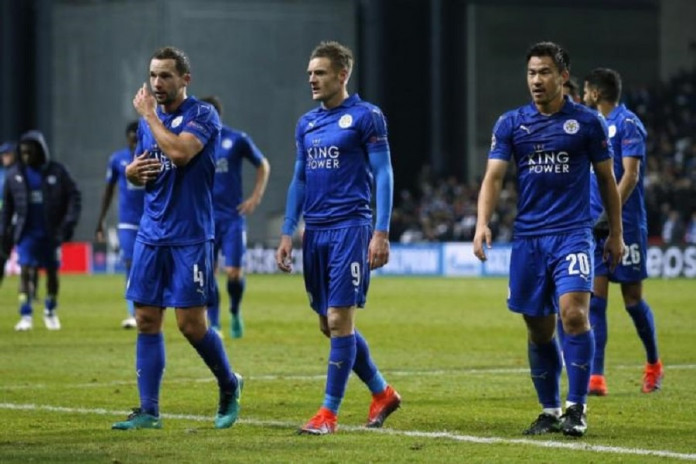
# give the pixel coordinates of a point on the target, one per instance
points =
(334, 146)
(35, 225)
(627, 137)
(234, 147)
(553, 156)
(130, 196)
(179, 202)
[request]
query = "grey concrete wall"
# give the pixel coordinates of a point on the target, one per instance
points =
(252, 54)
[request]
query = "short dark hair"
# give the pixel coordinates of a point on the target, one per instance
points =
(560, 57)
(215, 101)
(607, 82)
(341, 57)
(132, 127)
(572, 86)
(183, 66)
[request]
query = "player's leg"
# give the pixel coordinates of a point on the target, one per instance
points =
(526, 273)
(26, 283)
(385, 400)
(600, 327)
(572, 256)
(213, 303)
(192, 282)
(146, 288)
(126, 240)
(51, 301)
(235, 252)
(644, 322)
(27, 254)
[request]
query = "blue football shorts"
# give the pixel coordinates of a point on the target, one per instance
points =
(632, 267)
(126, 242)
(171, 276)
(336, 272)
(230, 238)
(545, 267)
(38, 252)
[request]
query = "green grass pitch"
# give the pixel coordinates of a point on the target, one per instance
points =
(449, 346)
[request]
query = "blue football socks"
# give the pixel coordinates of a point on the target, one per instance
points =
(235, 288)
(341, 361)
(365, 368)
(579, 353)
(598, 321)
(210, 348)
(213, 310)
(149, 365)
(545, 366)
(643, 319)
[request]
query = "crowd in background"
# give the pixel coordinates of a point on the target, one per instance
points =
(444, 209)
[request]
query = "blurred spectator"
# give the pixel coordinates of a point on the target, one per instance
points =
(673, 228)
(690, 236)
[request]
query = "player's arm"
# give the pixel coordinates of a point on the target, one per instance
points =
(74, 206)
(378, 250)
(293, 210)
(263, 170)
(107, 196)
(613, 247)
(181, 148)
(491, 186)
(629, 180)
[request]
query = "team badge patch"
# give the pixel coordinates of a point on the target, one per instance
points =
(226, 144)
(345, 121)
(177, 121)
(571, 126)
(612, 131)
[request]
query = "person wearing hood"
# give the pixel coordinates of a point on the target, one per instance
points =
(8, 152)
(41, 207)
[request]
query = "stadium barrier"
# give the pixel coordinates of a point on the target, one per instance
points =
(454, 259)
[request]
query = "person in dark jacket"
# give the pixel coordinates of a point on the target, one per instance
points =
(41, 207)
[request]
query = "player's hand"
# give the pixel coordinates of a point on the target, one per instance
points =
(99, 233)
(600, 229)
(248, 206)
(143, 169)
(284, 254)
(144, 102)
(482, 235)
(378, 251)
(613, 250)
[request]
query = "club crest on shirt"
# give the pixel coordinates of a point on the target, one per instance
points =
(177, 121)
(612, 131)
(226, 143)
(571, 126)
(345, 121)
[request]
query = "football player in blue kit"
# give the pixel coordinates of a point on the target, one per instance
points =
(173, 254)
(553, 142)
(602, 91)
(130, 208)
(342, 150)
(230, 210)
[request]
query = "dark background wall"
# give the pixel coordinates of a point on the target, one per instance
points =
(442, 70)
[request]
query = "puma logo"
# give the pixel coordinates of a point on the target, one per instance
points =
(336, 363)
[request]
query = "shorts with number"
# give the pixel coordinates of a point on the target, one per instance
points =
(171, 276)
(230, 238)
(38, 252)
(632, 267)
(126, 243)
(545, 267)
(336, 272)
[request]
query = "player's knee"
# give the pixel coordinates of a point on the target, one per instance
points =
(234, 273)
(575, 320)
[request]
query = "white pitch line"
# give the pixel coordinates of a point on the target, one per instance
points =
(575, 446)
(312, 377)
